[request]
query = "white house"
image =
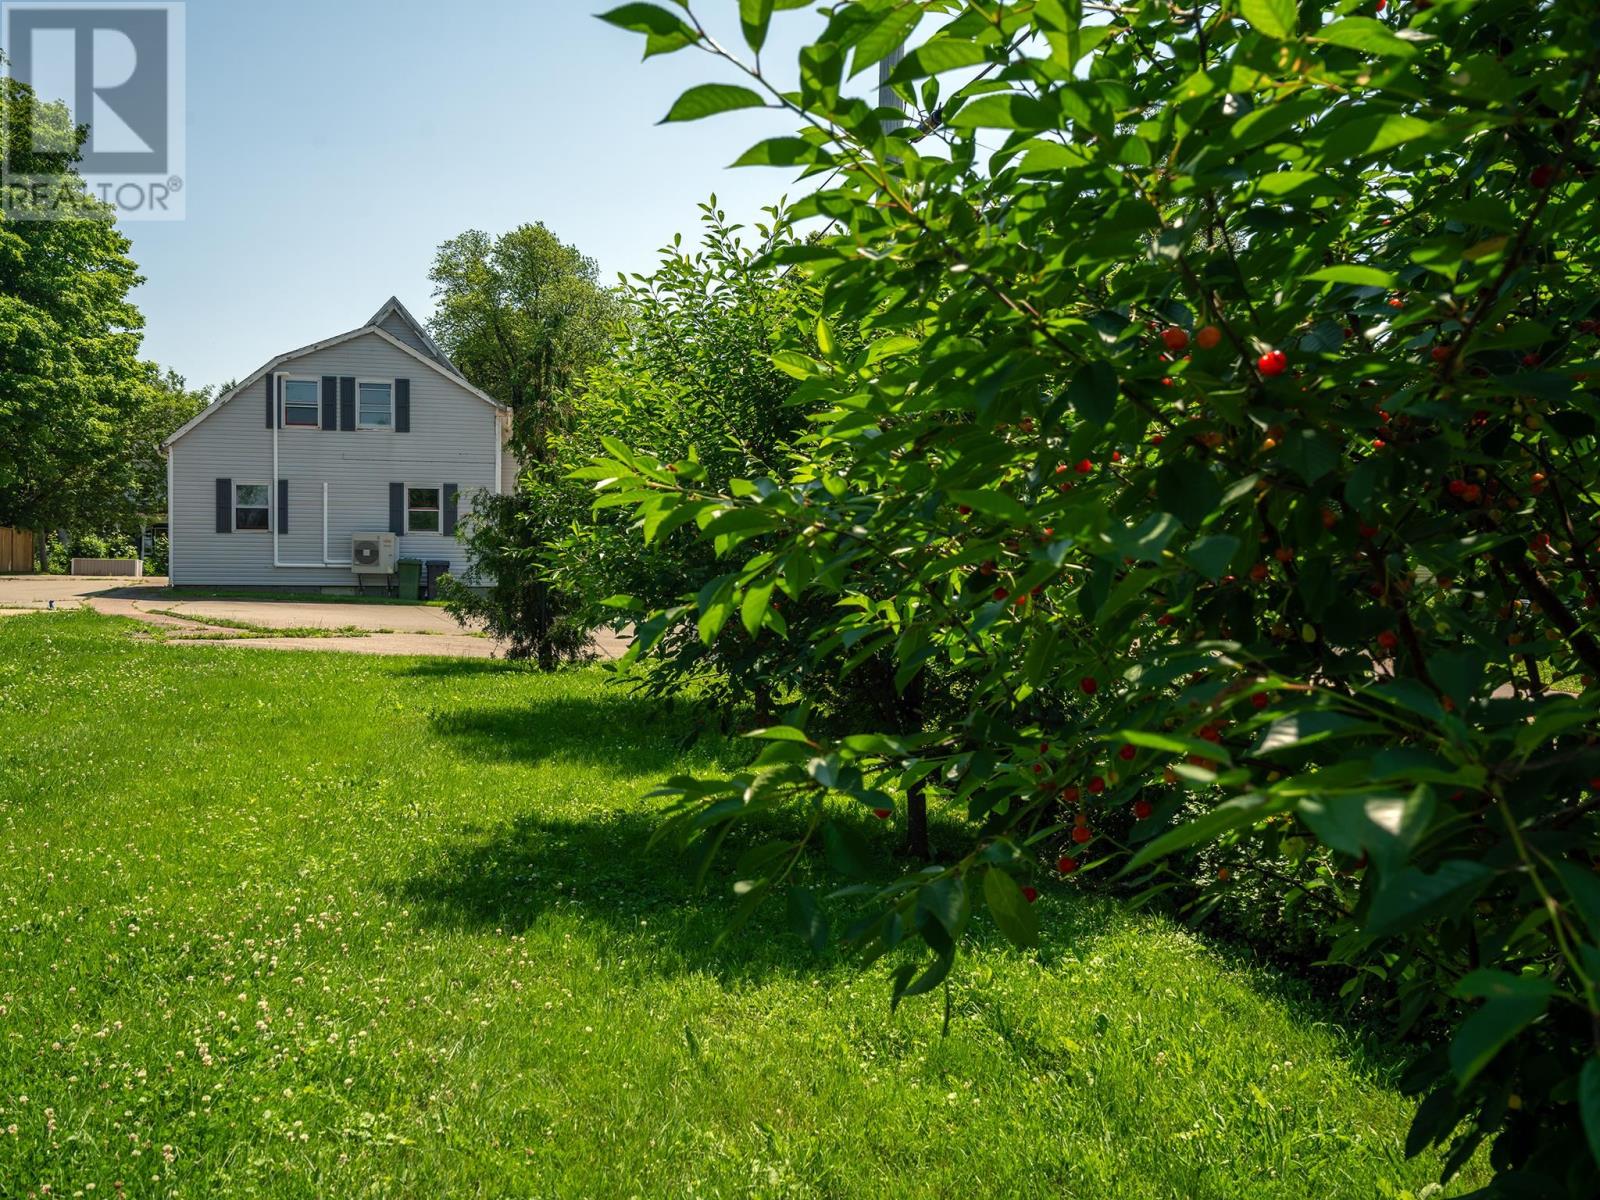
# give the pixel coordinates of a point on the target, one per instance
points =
(370, 432)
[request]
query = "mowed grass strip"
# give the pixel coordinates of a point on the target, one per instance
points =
(298, 925)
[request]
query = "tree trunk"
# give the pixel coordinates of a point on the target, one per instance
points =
(917, 844)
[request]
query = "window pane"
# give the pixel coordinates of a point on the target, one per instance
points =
(299, 414)
(250, 518)
(300, 391)
(252, 495)
(375, 406)
(424, 521)
(424, 498)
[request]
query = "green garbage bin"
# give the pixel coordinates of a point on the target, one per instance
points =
(409, 573)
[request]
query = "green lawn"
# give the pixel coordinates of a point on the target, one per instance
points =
(289, 924)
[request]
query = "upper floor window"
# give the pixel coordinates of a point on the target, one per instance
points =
(375, 405)
(300, 404)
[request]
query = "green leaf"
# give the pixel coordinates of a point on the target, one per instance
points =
(846, 852)
(939, 54)
(1225, 817)
(753, 609)
(946, 901)
(1211, 555)
(992, 504)
(1384, 826)
(1367, 35)
(1413, 897)
(1189, 490)
(781, 152)
(709, 99)
(755, 16)
(797, 365)
(1010, 907)
(806, 918)
(1514, 1002)
(1589, 1103)
(1372, 134)
(664, 31)
(1093, 393)
(886, 36)
(1275, 18)
(1365, 276)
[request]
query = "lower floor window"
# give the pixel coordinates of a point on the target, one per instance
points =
(250, 505)
(422, 510)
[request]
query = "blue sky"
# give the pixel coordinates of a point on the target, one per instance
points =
(333, 144)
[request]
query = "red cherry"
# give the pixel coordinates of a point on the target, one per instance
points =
(1164, 619)
(1070, 793)
(883, 814)
(1000, 593)
(1142, 809)
(1096, 786)
(1089, 685)
(1082, 834)
(1367, 531)
(1456, 487)
(1127, 753)
(1156, 439)
(1382, 4)
(1594, 784)
(1260, 700)
(964, 510)
(1388, 640)
(1175, 339)
(1208, 338)
(1084, 467)
(1273, 362)
(1030, 893)
(1066, 865)
(1259, 573)
(1441, 353)
(1542, 176)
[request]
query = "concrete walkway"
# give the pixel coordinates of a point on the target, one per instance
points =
(386, 628)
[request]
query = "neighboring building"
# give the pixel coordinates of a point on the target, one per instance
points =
(373, 431)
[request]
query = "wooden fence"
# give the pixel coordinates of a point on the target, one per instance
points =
(16, 552)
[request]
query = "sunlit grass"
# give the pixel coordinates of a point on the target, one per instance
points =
(299, 925)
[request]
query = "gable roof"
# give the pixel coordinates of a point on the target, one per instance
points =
(393, 305)
(436, 365)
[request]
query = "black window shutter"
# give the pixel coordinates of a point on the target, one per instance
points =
(272, 398)
(283, 506)
(397, 508)
(224, 506)
(330, 402)
(402, 406)
(347, 404)
(447, 519)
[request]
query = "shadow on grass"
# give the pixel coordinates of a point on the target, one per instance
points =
(604, 873)
(607, 729)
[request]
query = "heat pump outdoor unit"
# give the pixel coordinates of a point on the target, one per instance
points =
(373, 553)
